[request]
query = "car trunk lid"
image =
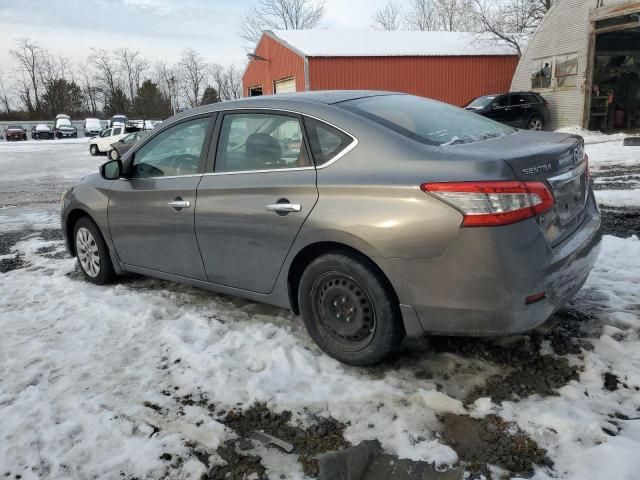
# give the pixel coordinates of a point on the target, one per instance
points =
(558, 160)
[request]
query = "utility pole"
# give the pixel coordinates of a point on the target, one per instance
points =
(173, 94)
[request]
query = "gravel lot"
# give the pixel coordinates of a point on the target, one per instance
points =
(148, 379)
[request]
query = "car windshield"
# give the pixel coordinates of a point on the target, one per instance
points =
(92, 122)
(41, 126)
(427, 121)
(482, 102)
(64, 122)
(14, 127)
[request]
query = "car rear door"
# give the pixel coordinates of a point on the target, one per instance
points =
(259, 189)
(521, 110)
(151, 213)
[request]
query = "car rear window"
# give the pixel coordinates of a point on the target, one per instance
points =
(427, 121)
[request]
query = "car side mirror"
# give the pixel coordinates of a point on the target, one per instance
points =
(111, 170)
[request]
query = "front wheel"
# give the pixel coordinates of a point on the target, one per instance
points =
(92, 252)
(93, 150)
(113, 154)
(348, 310)
(535, 123)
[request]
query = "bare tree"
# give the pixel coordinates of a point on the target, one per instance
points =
(512, 21)
(53, 68)
(133, 67)
(193, 72)
(4, 98)
(227, 81)
(107, 75)
(28, 55)
(108, 81)
(455, 15)
(388, 17)
(89, 90)
(168, 78)
(422, 15)
(280, 15)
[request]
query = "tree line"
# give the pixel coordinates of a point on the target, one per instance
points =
(110, 82)
(512, 21)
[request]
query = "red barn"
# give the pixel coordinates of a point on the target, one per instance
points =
(453, 67)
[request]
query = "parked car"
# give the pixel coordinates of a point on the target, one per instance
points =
(373, 215)
(528, 110)
(92, 127)
(63, 128)
(118, 120)
(102, 143)
(122, 146)
(41, 132)
(15, 132)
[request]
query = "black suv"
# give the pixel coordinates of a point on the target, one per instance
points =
(518, 109)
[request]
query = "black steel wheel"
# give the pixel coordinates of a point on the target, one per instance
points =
(343, 310)
(349, 309)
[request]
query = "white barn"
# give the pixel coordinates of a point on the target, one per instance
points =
(584, 59)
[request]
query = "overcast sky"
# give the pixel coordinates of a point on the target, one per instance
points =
(160, 29)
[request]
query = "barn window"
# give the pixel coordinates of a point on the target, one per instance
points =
(567, 70)
(541, 74)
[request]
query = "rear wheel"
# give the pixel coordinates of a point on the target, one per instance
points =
(348, 311)
(93, 150)
(92, 252)
(535, 123)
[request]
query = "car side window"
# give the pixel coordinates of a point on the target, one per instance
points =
(501, 102)
(106, 133)
(260, 141)
(325, 141)
(174, 152)
(517, 100)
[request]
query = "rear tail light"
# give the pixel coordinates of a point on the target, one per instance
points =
(488, 204)
(546, 104)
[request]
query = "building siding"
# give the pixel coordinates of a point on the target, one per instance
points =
(283, 63)
(455, 80)
(565, 29)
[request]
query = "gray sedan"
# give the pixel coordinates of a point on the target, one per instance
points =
(373, 215)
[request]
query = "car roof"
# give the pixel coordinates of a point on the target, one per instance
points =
(284, 101)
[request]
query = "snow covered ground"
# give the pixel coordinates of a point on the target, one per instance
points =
(93, 380)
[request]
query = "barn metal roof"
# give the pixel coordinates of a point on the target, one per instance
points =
(376, 43)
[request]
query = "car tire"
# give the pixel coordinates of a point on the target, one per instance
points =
(535, 123)
(113, 154)
(349, 310)
(93, 150)
(92, 252)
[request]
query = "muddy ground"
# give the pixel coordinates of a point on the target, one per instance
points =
(523, 371)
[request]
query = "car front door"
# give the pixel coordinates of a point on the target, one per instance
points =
(251, 206)
(500, 110)
(151, 212)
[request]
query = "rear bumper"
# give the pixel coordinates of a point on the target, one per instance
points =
(479, 285)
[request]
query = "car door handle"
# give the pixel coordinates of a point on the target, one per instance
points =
(179, 204)
(284, 207)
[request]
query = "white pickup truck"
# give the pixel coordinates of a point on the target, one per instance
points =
(102, 143)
